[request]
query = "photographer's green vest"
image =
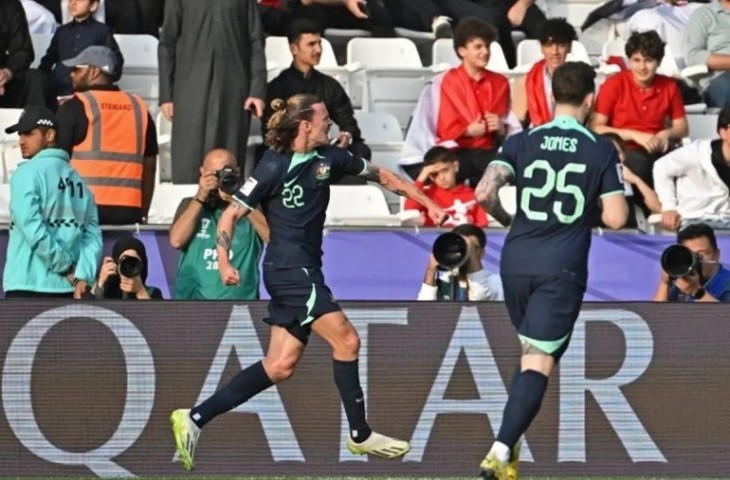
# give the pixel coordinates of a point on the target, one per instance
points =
(197, 273)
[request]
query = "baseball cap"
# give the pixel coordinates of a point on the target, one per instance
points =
(33, 117)
(97, 56)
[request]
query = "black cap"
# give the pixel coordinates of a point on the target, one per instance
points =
(33, 117)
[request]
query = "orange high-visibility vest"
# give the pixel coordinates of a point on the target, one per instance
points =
(111, 157)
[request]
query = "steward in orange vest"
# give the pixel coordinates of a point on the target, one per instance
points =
(111, 138)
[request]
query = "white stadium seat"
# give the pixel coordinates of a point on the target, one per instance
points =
(140, 74)
(702, 126)
(40, 47)
(384, 136)
(393, 76)
(165, 201)
(383, 52)
(359, 205)
(9, 146)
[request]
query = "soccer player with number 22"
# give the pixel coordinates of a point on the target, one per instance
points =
(291, 183)
(567, 177)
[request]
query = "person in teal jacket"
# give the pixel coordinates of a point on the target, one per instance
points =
(54, 244)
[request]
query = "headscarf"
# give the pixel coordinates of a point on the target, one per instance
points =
(111, 287)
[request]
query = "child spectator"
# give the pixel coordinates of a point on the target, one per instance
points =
(438, 181)
(638, 187)
(474, 103)
(642, 107)
(73, 38)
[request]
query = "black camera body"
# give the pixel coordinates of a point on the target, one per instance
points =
(129, 267)
(228, 180)
(679, 261)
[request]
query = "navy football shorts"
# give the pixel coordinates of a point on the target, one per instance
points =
(298, 297)
(543, 309)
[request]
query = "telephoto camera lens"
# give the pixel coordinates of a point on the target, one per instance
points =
(450, 250)
(130, 267)
(228, 180)
(679, 261)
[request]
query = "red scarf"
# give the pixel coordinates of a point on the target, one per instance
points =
(537, 105)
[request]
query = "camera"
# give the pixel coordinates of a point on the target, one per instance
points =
(228, 180)
(130, 267)
(451, 251)
(679, 261)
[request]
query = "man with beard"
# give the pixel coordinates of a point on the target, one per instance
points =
(193, 233)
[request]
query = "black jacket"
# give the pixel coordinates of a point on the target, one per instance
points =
(16, 48)
(291, 82)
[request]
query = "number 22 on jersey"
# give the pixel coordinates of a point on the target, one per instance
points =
(554, 181)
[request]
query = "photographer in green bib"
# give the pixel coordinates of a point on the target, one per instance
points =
(193, 232)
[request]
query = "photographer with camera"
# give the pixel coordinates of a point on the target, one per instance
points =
(123, 275)
(691, 270)
(193, 232)
(455, 270)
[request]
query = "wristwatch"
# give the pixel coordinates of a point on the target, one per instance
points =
(699, 293)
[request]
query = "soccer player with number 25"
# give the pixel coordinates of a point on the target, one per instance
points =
(567, 177)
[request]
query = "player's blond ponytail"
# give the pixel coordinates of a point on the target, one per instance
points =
(283, 126)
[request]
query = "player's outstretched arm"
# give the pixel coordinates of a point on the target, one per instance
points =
(495, 177)
(399, 186)
(615, 211)
(224, 233)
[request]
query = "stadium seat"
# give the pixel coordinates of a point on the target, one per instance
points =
(383, 52)
(384, 136)
(393, 76)
(140, 74)
(164, 158)
(4, 203)
(9, 146)
(359, 205)
(703, 126)
(165, 201)
(41, 42)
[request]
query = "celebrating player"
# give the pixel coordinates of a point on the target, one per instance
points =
(565, 175)
(291, 183)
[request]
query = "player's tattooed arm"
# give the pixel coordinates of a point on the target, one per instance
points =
(495, 177)
(404, 188)
(226, 226)
(392, 182)
(224, 240)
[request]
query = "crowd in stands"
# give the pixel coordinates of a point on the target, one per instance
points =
(214, 81)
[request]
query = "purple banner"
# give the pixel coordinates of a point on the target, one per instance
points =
(389, 264)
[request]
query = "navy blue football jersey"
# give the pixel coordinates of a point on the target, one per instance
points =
(561, 170)
(294, 191)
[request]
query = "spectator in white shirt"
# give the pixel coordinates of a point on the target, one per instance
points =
(693, 182)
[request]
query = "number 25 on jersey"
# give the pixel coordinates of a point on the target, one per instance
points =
(554, 181)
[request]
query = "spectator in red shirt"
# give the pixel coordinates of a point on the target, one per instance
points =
(638, 105)
(474, 102)
(532, 100)
(437, 181)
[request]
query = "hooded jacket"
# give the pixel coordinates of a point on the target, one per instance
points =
(54, 227)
